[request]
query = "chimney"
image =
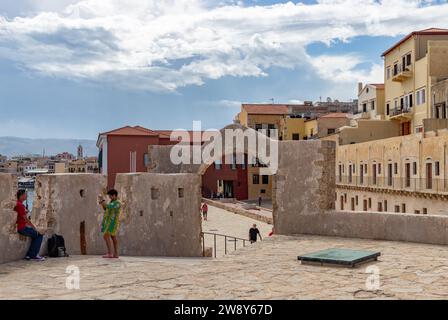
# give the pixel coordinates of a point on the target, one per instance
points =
(360, 86)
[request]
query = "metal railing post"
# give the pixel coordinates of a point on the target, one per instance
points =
(225, 239)
(215, 245)
(203, 244)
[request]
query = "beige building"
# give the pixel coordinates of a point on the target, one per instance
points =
(371, 101)
(331, 123)
(88, 165)
(412, 66)
(401, 174)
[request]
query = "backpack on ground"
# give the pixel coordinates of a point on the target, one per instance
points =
(56, 247)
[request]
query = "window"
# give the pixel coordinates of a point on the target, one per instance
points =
(364, 107)
(388, 73)
(425, 210)
(387, 108)
(429, 175)
(414, 166)
(331, 131)
(379, 168)
(397, 209)
(146, 159)
(437, 168)
(373, 105)
(403, 208)
(389, 174)
(256, 179)
(408, 175)
(233, 166)
(356, 200)
(265, 179)
(361, 177)
(421, 96)
(380, 207)
(374, 174)
(395, 168)
(370, 203)
(295, 136)
(408, 59)
(385, 205)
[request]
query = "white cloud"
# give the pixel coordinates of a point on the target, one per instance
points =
(161, 45)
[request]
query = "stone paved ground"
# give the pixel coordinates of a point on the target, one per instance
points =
(266, 270)
(227, 223)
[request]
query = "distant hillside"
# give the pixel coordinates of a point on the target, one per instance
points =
(13, 146)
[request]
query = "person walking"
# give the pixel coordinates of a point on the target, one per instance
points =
(110, 224)
(26, 228)
(254, 233)
(205, 211)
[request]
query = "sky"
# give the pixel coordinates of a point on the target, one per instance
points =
(74, 68)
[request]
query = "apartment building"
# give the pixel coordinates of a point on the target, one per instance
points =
(405, 174)
(412, 66)
(292, 123)
(371, 101)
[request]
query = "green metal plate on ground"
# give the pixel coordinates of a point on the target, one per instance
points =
(344, 257)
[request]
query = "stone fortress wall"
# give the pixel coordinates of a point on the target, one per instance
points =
(161, 208)
(160, 215)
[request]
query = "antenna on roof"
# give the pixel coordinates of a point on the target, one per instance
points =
(272, 100)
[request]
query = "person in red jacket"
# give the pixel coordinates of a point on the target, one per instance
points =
(205, 211)
(26, 228)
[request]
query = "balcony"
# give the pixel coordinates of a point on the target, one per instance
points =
(402, 73)
(401, 113)
(406, 184)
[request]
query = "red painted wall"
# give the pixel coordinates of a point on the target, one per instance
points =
(238, 176)
(119, 149)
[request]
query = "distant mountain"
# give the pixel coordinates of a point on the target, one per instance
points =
(13, 146)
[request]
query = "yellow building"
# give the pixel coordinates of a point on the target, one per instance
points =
(290, 127)
(411, 67)
(401, 174)
(264, 117)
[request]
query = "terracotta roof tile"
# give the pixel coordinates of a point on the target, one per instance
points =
(268, 109)
(131, 131)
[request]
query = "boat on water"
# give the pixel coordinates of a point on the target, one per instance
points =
(27, 183)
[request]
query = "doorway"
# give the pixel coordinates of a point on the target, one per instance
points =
(228, 189)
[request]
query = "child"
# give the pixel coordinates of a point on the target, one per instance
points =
(26, 228)
(110, 223)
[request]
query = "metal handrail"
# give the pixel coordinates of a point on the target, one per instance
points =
(215, 236)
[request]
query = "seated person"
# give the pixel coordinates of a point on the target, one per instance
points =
(26, 228)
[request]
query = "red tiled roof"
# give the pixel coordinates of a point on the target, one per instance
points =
(429, 32)
(131, 131)
(336, 115)
(378, 85)
(268, 109)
